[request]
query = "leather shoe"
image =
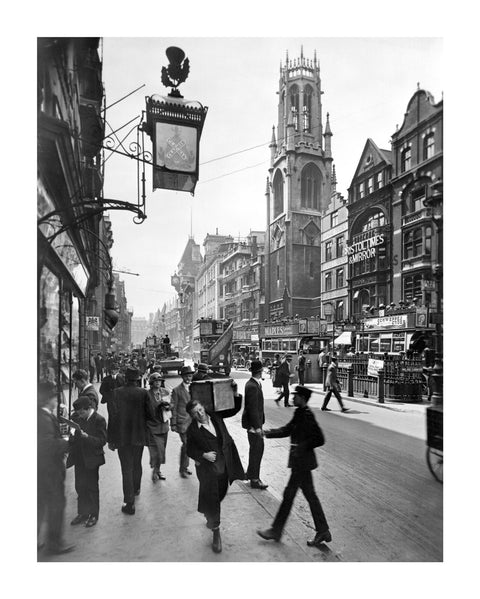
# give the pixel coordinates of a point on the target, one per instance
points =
(257, 484)
(277, 401)
(161, 476)
(80, 519)
(128, 508)
(92, 520)
(217, 541)
(320, 537)
(188, 471)
(183, 474)
(326, 410)
(60, 549)
(269, 535)
(345, 409)
(137, 492)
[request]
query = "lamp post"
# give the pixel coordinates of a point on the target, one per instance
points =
(435, 203)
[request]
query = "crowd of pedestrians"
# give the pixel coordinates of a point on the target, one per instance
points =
(139, 418)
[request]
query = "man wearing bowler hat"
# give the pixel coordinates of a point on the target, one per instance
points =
(202, 373)
(253, 418)
(180, 418)
(127, 431)
(305, 436)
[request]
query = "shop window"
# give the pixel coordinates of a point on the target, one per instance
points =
(328, 281)
(374, 344)
(385, 344)
(328, 250)
(49, 329)
(428, 146)
(406, 160)
(340, 246)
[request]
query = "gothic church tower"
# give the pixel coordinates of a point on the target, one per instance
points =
(298, 190)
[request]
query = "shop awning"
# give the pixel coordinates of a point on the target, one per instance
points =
(344, 339)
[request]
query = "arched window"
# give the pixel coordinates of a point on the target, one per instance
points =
(376, 219)
(277, 194)
(360, 299)
(311, 182)
(294, 104)
(307, 108)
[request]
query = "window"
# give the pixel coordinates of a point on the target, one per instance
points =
(339, 246)
(417, 242)
(310, 188)
(328, 312)
(428, 146)
(361, 190)
(311, 270)
(377, 219)
(278, 272)
(277, 194)
(370, 185)
(294, 104)
(339, 310)
(380, 179)
(328, 250)
(307, 108)
(339, 278)
(334, 219)
(328, 281)
(406, 160)
(412, 287)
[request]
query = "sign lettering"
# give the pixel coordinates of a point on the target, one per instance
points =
(365, 249)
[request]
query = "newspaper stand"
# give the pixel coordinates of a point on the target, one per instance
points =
(214, 394)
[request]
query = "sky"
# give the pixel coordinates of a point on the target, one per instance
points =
(367, 84)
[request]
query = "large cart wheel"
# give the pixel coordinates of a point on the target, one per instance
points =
(435, 463)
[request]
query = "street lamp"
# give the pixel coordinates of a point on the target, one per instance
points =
(435, 203)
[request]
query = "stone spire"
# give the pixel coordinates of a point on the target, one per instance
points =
(328, 138)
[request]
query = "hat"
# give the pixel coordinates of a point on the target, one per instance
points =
(186, 370)
(80, 375)
(256, 366)
(132, 374)
(202, 367)
(303, 392)
(155, 376)
(82, 403)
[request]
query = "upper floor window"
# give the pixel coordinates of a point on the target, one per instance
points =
(413, 202)
(310, 189)
(339, 310)
(328, 250)
(339, 278)
(379, 179)
(310, 270)
(277, 194)
(417, 242)
(361, 190)
(307, 108)
(377, 219)
(334, 219)
(406, 160)
(412, 287)
(428, 146)
(328, 281)
(294, 104)
(370, 184)
(339, 246)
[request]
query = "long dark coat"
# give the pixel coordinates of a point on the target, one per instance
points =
(253, 412)
(305, 436)
(283, 373)
(129, 411)
(89, 450)
(200, 441)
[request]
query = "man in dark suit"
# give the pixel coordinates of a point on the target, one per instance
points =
(305, 436)
(283, 376)
(216, 460)
(50, 470)
(87, 455)
(301, 367)
(85, 387)
(127, 431)
(108, 386)
(253, 418)
(180, 418)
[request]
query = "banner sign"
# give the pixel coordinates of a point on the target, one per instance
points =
(92, 323)
(287, 330)
(374, 366)
(387, 322)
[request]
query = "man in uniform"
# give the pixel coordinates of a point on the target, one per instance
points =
(305, 436)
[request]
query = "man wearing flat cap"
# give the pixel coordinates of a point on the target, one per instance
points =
(87, 455)
(305, 436)
(253, 418)
(127, 432)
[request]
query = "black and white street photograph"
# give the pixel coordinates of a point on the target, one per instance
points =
(237, 286)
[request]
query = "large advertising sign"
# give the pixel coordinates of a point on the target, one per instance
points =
(365, 249)
(287, 330)
(387, 322)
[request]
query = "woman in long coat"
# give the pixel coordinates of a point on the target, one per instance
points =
(216, 459)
